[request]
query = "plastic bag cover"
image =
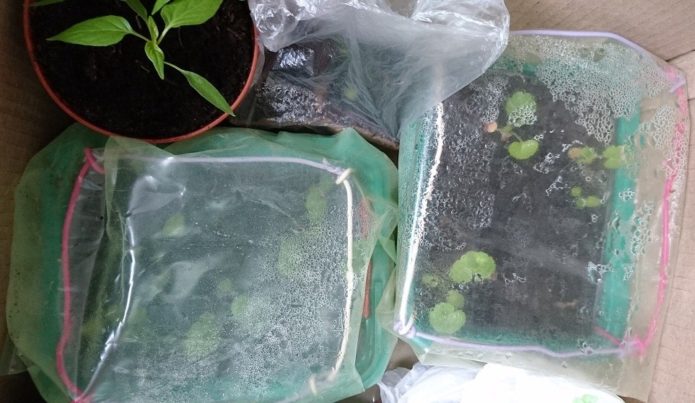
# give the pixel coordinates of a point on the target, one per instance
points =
(369, 64)
(540, 207)
(227, 268)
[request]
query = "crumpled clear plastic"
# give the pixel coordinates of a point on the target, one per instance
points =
(368, 64)
(232, 267)
(491, 383)
(540, 211)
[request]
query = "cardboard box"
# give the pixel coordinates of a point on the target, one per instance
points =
(29, 120)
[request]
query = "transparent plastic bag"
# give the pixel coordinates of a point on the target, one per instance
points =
(232, 267)
(540, 208)
(368, 64)
(491, 383)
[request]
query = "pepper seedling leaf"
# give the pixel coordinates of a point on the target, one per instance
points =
(156, 56)
(179, 13)
(205, 89)
(138, 8)
(158, 5)
(446, 319)
(523, 150)
(152, 27)
(471, 264)
(576, 191)
(100, 31)
(41, 3)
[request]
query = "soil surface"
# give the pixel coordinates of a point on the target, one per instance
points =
(116, 87)
(519, 212)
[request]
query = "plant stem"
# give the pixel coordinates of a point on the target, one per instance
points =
(140, 36)
(516, 136)
(162, 35)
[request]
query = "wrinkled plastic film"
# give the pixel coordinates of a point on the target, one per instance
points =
(369, 65)
(540, 208)
(218, 281)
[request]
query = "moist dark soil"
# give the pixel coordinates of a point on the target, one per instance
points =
(116, 87)
(304, 87)
(519, 212)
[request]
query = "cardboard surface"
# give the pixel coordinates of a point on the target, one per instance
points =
(665, 27)
(28, 120)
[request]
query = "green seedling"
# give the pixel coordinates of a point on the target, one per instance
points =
(583, 202)
(446, 319)
(523, 150)
(521, 111)
(109, 30)
(431, 281)
(613, 157)
(202, 338)
(456, 299)
(473, 264)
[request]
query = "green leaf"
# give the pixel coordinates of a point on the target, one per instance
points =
(138, 8)
(583, 155)
(455, 298)
(614, 157)
(592, 201)
(519, 100)
(41, 3)
(181, 13)
(472, 264)
(152, 27)
(158, 5)
(156, 56)
(523, 150)
(446, 319)
(101, 31)
(175, 226)
(205, 89)
(202, 338)
(431, 281)
(576, 191)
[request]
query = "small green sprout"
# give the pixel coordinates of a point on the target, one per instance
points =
(472, 264)
(111, 29)
(521, 109)
(446, 319)
(523, 150)
(583, 155)
(431, 280)
(583, 202)
(175, 226)
(455, 298)
(613, 157)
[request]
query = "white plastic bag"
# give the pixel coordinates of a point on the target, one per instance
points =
(489, 384)
(368, 63)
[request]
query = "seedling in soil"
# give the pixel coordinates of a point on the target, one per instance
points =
(581, 201)
(473, 264)
(109, 30)
(613, 157)
(521, 111)
(446, 319)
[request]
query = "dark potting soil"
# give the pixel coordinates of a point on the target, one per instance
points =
(519, 212)
(304, 87)
(116, 87)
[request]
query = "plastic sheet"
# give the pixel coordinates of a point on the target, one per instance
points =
(540, 208)
(368, 64)
(232, 267)
(492, 383)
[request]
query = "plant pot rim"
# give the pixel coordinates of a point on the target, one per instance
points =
(29, 43)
